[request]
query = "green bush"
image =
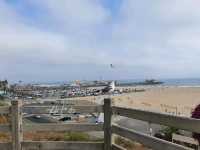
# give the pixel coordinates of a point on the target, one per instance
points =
(76, 136)
(3, 103)
(168, 131)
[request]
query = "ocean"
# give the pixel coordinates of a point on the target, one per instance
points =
(181, 82)
(191, 82)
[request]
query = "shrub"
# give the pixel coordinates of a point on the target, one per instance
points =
(76, 136)
(4, 119)
(3, 102)
(124, 143)
(168, 131)
(44, 136)
(128, 144)
(5, 137)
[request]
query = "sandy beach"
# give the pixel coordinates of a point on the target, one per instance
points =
(172, 100)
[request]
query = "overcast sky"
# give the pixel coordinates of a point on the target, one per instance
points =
(60, 40)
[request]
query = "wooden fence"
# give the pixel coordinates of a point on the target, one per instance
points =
(16, 128)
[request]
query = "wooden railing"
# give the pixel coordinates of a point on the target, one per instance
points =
(157, 118)
(16, 128)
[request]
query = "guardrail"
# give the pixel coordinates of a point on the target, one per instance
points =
(16, 128)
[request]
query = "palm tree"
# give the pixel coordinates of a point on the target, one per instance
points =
(4, 86)
(1, 85)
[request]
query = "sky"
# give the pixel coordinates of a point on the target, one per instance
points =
(62, 40)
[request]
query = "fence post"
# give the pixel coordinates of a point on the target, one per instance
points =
(17, 135)
(107, 124)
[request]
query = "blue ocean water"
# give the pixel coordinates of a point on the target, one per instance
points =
(170, 82)
(182, 82)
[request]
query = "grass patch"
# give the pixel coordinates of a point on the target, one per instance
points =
(44, 136)
(59, 136)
